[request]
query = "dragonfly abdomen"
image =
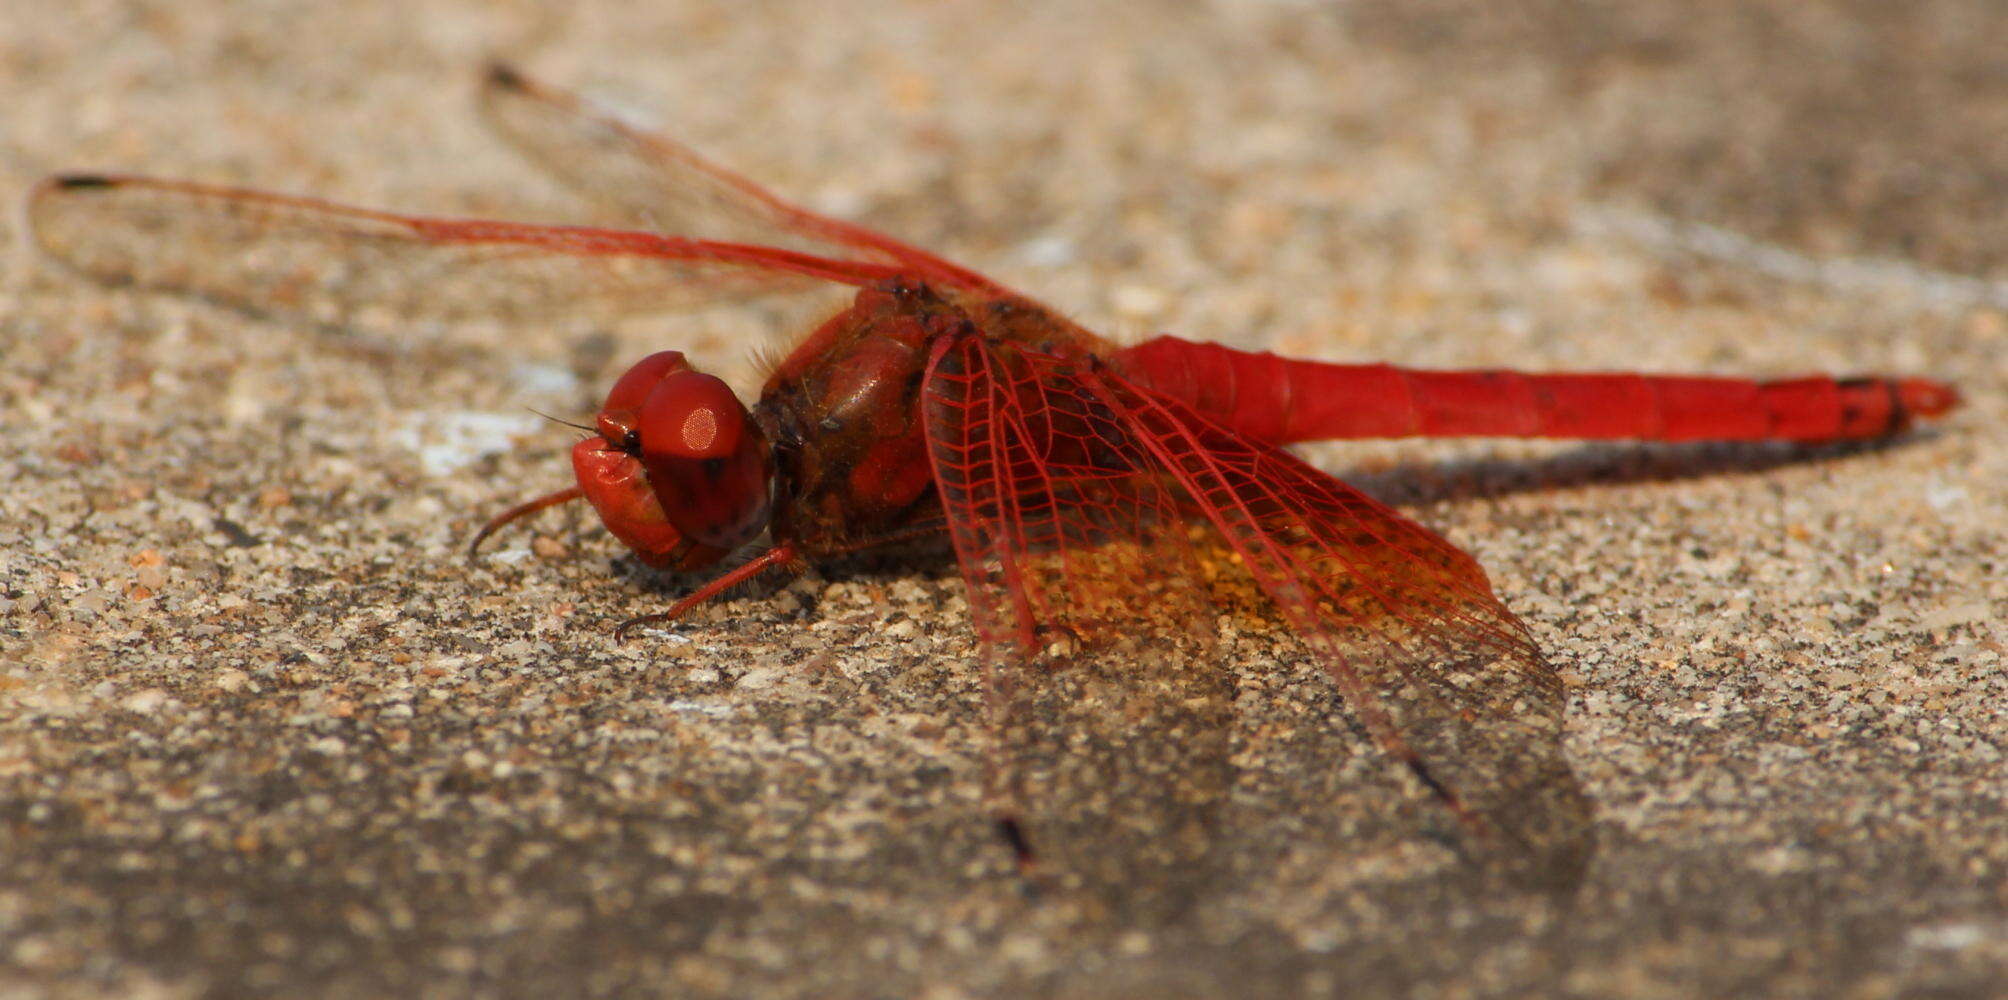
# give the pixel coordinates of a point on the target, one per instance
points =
(1282, 400)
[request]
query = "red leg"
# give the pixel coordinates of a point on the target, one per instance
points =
(524, 509)
(779, 555)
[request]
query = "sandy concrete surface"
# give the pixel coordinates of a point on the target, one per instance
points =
(265, 731)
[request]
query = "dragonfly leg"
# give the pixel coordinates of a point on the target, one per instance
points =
(523, 509)
(779, 555)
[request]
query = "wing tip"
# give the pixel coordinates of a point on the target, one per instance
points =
(504, 75)
(48, 198)
(77, 181)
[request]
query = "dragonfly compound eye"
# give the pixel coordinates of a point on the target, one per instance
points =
(621, 412)
(706, 460)
(691, 415)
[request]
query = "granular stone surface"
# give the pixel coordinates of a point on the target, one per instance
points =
(264, 728)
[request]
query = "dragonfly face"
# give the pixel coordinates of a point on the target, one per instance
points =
(680, 472)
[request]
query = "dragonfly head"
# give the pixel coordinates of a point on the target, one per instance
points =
(680, 472)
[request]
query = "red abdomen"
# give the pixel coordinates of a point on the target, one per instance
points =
(1283, 400)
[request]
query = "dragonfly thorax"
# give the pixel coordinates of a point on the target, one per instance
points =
(843, 415)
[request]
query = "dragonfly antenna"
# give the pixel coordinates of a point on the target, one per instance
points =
(561, 420)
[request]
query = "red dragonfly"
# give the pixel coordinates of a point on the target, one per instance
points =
(1085, 486)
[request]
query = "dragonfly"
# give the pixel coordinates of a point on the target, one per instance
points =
(1086, 488)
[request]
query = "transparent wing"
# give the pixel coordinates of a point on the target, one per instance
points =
(652, 181)
(1048, 465)
(333, 263)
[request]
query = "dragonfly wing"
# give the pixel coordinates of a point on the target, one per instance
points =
(1039, 459)
(1051, 523)
(649, 180)
(337, 264)
(1122, 767)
